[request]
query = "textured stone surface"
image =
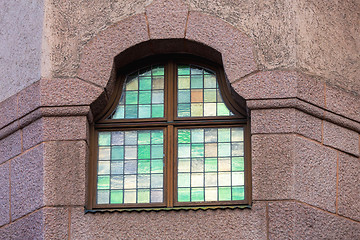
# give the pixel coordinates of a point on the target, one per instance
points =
(349, 187)
(28, 227)
(56, 223)
(308, 126)
(21, 25)
(65, 173)
(344, 103)
(9, 111)
(217, 224)
(315, 174)
(65, 128)
(272, 167)
(167, 18)
(236, 47)
(341, 138)
(29, 99)
(291, 220)
(10, 146)
(98, 55)
(4, 193)
(27, 182)
(311, 89)
(68, 91)
(33, 134)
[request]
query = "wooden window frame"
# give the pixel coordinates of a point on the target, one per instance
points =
(169, 124)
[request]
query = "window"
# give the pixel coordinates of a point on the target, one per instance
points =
(173, 136)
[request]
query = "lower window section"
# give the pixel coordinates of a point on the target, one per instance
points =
(210, 164)
(130, 167)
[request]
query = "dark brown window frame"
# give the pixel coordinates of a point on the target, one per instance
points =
(170, 123)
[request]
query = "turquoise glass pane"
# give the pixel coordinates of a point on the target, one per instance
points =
(157, 166)
(183, 194)
(145, 97)
(117, 152)
(183, 70)
(131, 97)
(116, 197)
(197, 194)
(103, 182)
(184, 96)
(104, 138)
(144, 137)
(158, 71)
(144, 151)
(237, 163)
(224, 193)
(131, 111)
(157, 151)
(145, 83)
(157, 137)
(184, 110)
(238, 193)
(183, 136)
(197, 150)
(157, 111)
(144, 166)
(196, 81)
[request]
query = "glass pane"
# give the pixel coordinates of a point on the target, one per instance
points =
(130, 167)
(198, 93)
(209, 167)
(142, 95)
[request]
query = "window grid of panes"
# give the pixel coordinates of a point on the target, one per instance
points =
(198, 93)
(210, 164)
(130, 167)
(143, 95)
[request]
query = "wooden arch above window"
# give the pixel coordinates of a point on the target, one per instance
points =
(173, 135)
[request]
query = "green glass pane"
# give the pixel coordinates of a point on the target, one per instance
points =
(143, 137)
(224, 134)
(222, 110)
(144, 166)
(117, 182)
(237, 164)
(209, 81)
(196, 70)
(238, 193)
(211, 164)
(183, 70)
(103, 196)
(132, 83)
(197, 135)
(184, 180)
(103, 182)
(104, 138)
(144, 111)
(197, 150)
(157, 111)
(157, 166)
(183, 110)
(143, 196)
(116, 196)
(210, 95)
(157, 151)
(157, 137)
(184, 96)
(145, 97)
(197, 81)
(224, 149)
(119, 112)
(145, 83)
(131, 97)
(144, 151)
(183, 194)
(158, 82)
(224, 193)
(184, 82)
(196, 109)
(183, 136)
(237, 134)
(183, 150)
(117, 152)
(131, 111)
(197, 194)
(158, 70)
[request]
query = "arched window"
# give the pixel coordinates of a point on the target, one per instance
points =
(174, 135)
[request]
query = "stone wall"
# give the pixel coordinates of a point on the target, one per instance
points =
(305, 129)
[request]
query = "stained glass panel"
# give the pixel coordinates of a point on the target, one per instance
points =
(198, 93)
(130, 167)
(210, 164)
(142, 95)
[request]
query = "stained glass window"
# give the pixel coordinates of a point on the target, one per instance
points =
(171, 140)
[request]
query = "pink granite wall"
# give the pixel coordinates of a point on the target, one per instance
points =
(305, 146)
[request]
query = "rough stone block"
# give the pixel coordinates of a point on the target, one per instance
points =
(98, 55)
(308, 126)
(349, 187)
(33, 134)
(167, 18)
(343, 103)
(4, 193)
(65, 173)
(27, 182)
(68, 91)
(65, 128)
(311, 89)
(315, 174)
(341, 138)
(218, 224)
(235, 46)
(272, 166)
(8, 111)
(29, 99)
(10, 146)
(56, 223)
(273, 121)
(282, 220)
